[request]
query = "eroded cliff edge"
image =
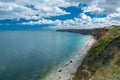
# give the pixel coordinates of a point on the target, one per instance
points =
(103, 59)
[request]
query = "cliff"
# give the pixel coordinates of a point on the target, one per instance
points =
(103, 59)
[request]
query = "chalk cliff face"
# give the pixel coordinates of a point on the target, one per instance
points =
(103, 59)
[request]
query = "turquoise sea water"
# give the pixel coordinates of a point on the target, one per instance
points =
(27, 55)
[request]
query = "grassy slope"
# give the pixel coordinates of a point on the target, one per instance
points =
(103, 59)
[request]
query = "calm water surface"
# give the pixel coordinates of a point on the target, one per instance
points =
(27, 55)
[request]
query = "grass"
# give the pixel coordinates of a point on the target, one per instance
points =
(109, 72)
(101, 59)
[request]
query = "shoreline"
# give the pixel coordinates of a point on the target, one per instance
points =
(66, 72)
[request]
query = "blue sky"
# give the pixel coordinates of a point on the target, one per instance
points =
(59, 13)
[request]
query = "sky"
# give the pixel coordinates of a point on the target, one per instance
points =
(56, 14)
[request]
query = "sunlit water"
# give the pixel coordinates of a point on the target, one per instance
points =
(29, 55)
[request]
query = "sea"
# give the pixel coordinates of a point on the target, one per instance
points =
(31, 55)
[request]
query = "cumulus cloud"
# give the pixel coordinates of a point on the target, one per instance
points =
(31, 9)
(39, 10)
(102, 6)
(83, 21)
(11, 10)
(110, 6)
(84, 17)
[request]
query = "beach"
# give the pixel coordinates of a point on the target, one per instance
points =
(66, 72)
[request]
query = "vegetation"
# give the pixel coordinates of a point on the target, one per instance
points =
(103, 59)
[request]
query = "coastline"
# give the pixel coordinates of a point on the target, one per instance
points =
(66, 72)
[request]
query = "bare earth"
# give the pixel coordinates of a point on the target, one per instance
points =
(67, 71)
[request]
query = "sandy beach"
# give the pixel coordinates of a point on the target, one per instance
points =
(67, 71)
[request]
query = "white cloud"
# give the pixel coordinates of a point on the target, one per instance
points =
(102, 6)
(83, 21)
(15, 9)
(43, 21)
(46, 8)
(43, 8)
(85, 17)
(94, 9)
(11, 10)
(110, 6)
